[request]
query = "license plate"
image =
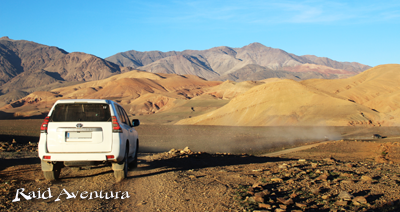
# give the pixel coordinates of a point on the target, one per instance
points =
(79, 135)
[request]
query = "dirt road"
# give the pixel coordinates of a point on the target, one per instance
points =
(199, 181)
(188, 181)
(163, 182)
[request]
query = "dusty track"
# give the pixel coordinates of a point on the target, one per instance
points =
(195, 181)
(291, 150)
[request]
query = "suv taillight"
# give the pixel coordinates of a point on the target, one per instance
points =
(115, 125)
(43, 128)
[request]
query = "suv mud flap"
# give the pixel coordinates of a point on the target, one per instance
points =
(51, 166)
(118, 166)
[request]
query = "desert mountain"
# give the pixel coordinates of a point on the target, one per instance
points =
(139, 92)
(136, 59)
(28, 65)
(369, 98)
(313, 71)
(182, 64)
(251, 62)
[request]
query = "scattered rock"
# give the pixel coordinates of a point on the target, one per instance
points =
(259, 197)
(263, 205)
(330, 160)
(283, 166)
(283, 207)
(359, 200)
(381, 159)
(266, 192)
(344, 195)
(285, 201)
(172, 151)
(345, 175)
(293, 195)
(315, 191)
(250, 192)
(256, 185)
(142, 203)
(366, 178)
(186, 150)
(341, 203)
(300, 205)
(250, 199)
(325, 197)
(317, 185)
(347, 181)
(323, 177)
(277, 180)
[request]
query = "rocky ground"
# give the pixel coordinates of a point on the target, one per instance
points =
(186, 180)
(344, 175)
(327, 185)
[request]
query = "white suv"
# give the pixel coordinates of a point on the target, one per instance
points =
(85, 132)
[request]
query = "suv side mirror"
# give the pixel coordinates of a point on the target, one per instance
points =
(135, 122)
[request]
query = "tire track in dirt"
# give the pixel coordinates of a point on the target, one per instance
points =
(168, 188)
(291, 150)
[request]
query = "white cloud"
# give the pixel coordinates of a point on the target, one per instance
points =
(274, 12)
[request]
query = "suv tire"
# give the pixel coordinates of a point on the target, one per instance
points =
(134, 163)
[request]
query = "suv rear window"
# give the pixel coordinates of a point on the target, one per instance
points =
(81, 112)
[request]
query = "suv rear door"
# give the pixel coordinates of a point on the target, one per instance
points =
(80, 127)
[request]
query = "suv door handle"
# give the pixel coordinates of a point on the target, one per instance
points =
(130, 130)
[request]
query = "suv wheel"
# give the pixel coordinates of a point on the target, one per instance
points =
(122, 174)
(134, 163)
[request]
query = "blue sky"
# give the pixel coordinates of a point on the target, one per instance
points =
(365, 31)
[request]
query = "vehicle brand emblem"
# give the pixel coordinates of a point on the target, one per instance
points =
(79, 125)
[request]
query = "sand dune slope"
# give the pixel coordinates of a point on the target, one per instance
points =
(229, 89)
(377, 88)
(287, 102)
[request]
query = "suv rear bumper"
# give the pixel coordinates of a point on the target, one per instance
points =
(115, 155)
(78, 157)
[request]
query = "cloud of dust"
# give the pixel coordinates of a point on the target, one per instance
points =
(263, 139)
(213, 139)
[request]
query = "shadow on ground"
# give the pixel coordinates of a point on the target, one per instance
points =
(4, 163)
(200, 160)
(19, 138)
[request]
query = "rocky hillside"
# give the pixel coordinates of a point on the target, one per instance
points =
(251, 62)
(27, 66)
(139, 92)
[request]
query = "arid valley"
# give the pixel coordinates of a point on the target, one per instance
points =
(223, 129)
